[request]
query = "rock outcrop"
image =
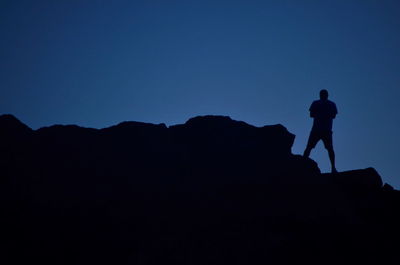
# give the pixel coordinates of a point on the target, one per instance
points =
(210, 191)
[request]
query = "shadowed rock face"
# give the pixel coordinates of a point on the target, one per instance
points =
(210, 191)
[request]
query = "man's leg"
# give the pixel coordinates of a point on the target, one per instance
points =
(327, 139)
(312, 141)
(332, 158)
(307, 151)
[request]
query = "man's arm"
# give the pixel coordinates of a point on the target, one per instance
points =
(312, 110)
(335, 112)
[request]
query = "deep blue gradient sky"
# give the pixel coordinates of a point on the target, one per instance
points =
(97, 63)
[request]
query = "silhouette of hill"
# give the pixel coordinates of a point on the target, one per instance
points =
(210, 191)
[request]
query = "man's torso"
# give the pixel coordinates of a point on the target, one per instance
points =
(323, 112)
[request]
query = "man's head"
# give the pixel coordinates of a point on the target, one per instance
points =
(323, 94)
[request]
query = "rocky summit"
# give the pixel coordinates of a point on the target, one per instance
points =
(210, 191)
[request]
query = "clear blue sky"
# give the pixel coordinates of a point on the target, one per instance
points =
(97, 63)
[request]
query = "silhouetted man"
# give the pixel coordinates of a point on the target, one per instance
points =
(323, 111)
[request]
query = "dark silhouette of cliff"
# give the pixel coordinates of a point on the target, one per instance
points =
(210, 191)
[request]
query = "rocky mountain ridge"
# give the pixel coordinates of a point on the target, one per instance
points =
(210, 191)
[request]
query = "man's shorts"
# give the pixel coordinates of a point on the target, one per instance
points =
(325, 136)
